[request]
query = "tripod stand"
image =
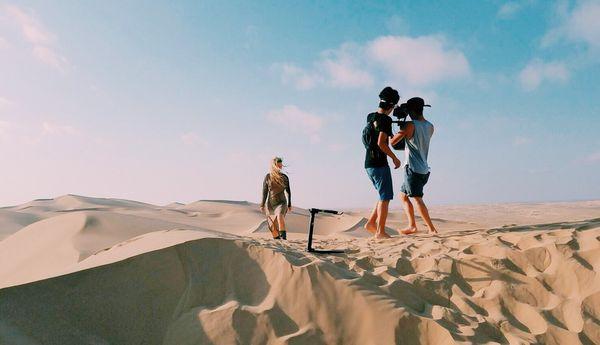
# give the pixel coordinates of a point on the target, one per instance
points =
(311, 226)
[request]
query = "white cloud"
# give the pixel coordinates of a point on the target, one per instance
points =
(49, 128)
(4, 128)
(296, 120)
(419, 61)
(298, 77)
(397, 24)
(192, 139)
(537, 71)
(335, 68)
(337, 147)
(584, 23)
(49, 57)
(342, 67)
(520, 141)
(509, 9)
(4, 103)
(593, 158)
(343, 74)
(42, 40)
(34, 133)
(581, 24)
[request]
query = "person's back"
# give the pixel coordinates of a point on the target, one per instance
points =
(376, 136)
(417, 147)
(275, 185)
(417, 134)
(277, 190)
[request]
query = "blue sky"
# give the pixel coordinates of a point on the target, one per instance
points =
(186, 100)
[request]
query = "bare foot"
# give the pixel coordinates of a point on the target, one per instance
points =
(433, 231)
(381, 235)
(371, 227)
(409, 230)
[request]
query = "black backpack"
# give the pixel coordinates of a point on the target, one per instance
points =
(369, 139)
(369, 136)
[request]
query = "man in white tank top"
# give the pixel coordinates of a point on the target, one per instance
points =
(417, 134)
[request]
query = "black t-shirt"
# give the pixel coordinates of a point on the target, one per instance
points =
(375, 158)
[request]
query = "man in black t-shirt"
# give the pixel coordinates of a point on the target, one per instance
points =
(376, 163)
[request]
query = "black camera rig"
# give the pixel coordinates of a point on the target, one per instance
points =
(400, 112)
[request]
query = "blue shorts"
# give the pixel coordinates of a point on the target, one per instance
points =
(413, 183)
(382, 180)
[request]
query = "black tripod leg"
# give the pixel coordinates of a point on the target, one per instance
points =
(311, 226)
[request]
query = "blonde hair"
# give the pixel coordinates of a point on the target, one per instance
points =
(275, 173)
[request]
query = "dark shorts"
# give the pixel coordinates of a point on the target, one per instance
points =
(413, 183)
(382, 180)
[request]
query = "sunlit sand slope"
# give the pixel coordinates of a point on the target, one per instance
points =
(97, 271)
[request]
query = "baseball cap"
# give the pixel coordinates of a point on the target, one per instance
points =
(416, 103)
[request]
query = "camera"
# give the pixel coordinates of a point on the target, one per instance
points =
(400, 113)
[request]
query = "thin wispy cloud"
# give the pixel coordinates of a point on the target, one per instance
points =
(193, 139)
(337, 147)
(4, 103)
(593, 158)
(521, 141)
(34, 133)
(298, 77)
(397, 24)
(537, 72)
(43, 41)
(299, 121)
(338, 68)
(50, 128)
(343, 69)
(510, 9)
(579, 25)
(4, 128)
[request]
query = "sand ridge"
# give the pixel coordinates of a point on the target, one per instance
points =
(96, 272)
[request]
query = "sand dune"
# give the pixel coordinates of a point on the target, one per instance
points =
(79, 270)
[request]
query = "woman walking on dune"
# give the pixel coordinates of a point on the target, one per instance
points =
(275, 186)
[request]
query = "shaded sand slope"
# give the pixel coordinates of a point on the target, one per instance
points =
(211, 291)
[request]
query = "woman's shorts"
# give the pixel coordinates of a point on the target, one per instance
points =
(278, 209)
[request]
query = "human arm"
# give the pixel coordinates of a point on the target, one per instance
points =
(407, 132)
(289, 192)
(382, 143)
(265, 192)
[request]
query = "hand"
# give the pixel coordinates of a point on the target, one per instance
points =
(397, 163)
(262, 208)
(289, 208)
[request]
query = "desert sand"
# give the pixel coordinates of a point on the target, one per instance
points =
(81, 270)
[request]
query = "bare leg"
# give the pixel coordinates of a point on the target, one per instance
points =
(425, 215)
(281, 223)
(371, 225)
(410, 215)
(382, 212)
